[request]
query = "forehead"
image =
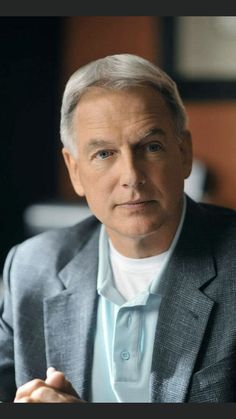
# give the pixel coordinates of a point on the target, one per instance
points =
(120, 116)
(135, 108)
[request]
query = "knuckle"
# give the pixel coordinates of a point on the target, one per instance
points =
(37, 382)
(26, 389)
(40, 392)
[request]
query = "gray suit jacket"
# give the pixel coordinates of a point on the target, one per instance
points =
(49, 313)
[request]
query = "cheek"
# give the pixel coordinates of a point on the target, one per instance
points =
(167, 177)
(97, 188)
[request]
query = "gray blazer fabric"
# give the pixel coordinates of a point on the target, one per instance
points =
(48, 317)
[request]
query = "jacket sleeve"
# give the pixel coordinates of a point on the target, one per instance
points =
(7, 370)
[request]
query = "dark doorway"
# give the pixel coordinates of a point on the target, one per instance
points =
(29, 118)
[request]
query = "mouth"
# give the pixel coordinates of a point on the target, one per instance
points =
(136, 204)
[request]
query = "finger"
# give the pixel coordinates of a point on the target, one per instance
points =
(47, 394)
(23, 400)
(51, 395)
(57, 380)
(26, 389)
(50, 370)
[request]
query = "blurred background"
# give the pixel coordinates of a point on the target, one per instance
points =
(37, 56)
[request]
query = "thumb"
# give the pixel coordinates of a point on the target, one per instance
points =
(50, 370)
(58, 380)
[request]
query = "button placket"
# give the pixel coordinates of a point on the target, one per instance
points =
(127, 345)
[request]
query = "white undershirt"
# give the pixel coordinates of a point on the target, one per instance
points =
(132, 276)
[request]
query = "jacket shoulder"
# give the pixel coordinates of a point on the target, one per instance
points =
(53, 247)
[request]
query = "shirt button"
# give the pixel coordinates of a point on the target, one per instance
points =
(125, 355)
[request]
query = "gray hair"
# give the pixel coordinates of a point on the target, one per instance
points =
(117, 72)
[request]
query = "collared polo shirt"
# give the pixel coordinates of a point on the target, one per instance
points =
(125, 333)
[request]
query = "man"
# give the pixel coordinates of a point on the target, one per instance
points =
(136, 304)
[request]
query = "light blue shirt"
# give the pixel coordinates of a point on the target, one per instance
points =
(124, 334)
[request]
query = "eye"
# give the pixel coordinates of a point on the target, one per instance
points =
(153, 147)
(103, 154)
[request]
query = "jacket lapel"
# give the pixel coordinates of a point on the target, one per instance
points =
(69, 318)
(184, 312)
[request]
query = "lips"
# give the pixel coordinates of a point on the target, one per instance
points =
(136, 203)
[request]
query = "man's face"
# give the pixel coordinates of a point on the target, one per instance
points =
(130, 165)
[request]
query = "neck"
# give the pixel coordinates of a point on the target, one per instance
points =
(138, 248)
(142, 247)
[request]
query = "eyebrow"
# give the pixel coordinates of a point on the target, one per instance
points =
(151, 132)
(97, 143)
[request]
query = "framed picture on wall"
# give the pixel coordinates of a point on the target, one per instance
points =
(199, 52)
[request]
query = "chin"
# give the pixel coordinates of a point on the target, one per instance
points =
(137, 230)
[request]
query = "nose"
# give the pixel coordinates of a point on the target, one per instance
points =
(132, 175)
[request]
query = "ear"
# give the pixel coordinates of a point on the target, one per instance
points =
(185, 145)
(72, 165)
